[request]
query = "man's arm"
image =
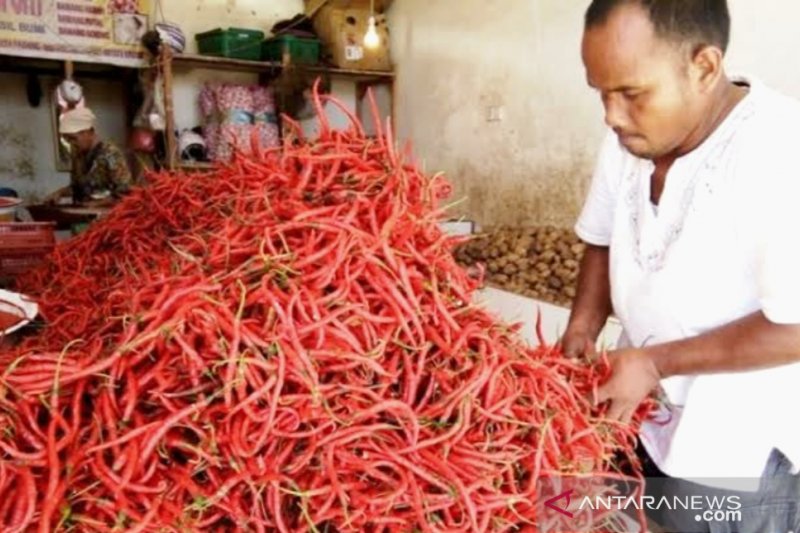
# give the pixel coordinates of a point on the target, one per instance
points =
(54, 196)
(121, 182)
(118, 173)
(592, 305)
(751, 343)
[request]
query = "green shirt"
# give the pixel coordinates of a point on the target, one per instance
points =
(103, 168)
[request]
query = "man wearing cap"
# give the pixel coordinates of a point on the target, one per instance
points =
(100, 172)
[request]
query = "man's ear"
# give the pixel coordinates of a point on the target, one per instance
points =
(706, 67)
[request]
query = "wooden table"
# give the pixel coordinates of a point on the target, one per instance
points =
(66, 215)
(84, 211)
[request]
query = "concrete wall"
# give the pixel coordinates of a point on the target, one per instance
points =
(27, 152)
(462, 65)
(196, 16)
(765, 41)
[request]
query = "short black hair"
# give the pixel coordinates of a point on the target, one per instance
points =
(692, 22)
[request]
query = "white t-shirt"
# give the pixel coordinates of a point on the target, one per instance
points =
(723, 243)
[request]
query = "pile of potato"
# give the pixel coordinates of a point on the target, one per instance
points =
(539, 262)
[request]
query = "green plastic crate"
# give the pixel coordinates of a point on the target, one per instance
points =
(305, 51)
(237, 43)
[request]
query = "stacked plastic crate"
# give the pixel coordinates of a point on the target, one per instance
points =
(24, 245)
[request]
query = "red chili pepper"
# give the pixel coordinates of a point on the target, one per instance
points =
(284, 343)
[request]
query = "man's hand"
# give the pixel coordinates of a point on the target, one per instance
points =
(52, 198)
(103, 202)
(634, 375)
(577, 343)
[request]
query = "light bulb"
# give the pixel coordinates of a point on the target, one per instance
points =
(371, 38)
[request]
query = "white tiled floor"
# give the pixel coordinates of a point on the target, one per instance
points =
(512, 308)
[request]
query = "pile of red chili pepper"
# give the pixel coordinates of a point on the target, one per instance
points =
(284, 343)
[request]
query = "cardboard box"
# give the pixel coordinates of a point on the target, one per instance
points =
(341, 26)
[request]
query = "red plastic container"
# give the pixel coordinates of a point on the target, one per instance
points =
(17, 237)
(24, 245)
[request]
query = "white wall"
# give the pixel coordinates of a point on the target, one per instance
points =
(521, 57)
(197, 16)
(27, 152)
(455, 60)
(766, 37)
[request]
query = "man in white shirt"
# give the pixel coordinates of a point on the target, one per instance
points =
(691, 224)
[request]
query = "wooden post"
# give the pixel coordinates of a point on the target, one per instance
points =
(69, 69)
(362, 88)
(169, 108)
(393, 104)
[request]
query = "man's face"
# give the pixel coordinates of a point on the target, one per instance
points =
(81, 142)
(643, 80)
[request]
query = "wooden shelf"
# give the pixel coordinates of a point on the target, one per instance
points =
(53, 67)
(224, 63)
(351, 73)
(243, 65)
